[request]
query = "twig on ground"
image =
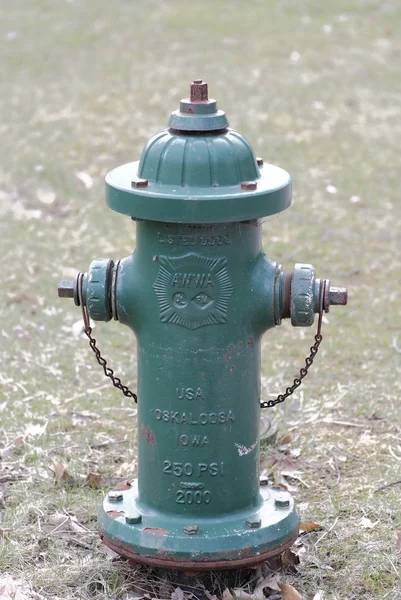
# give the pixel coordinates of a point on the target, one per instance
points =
(105, 444)
(327, 532)
(344, 423)
(387, 485)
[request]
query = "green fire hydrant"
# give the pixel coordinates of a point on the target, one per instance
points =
(199, 293)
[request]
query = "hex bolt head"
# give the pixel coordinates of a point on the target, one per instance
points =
(199, 91)
(139, 183)
(263, 480)
(191, 529)
(249, 185)
(115, 496)
(253, 522)
(259, 161)
(133, 518)
(66, 289)
(338, 296)
(282, 502)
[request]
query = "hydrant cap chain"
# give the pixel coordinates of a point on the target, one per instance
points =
(198, 171)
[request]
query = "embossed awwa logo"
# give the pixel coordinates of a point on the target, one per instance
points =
(193, 291)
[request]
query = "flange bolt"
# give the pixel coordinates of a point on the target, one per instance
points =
(282, 502)
(133, 518)
(191, 529)
(115, 496)
(253, 522)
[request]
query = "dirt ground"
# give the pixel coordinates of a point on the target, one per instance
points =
(316, 88)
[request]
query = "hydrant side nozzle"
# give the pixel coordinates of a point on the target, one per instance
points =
(301, 295)
(96, 291)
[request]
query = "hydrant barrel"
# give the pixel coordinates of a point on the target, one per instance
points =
(199, 293)
(198, 340)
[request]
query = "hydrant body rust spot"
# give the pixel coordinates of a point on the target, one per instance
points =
(199, 293)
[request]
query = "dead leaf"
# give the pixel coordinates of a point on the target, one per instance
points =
(33, 430)
(241, 594)
(309, 526)
(94, 480)
(2, 494)
(110, 554)
(367, 523)
(58, 519)
(62, 475)
(64, 522)
(75, 526)
(289, 592)
(269, 582)
(13, 589)
(4, 535)
(85, 178)
(208, 595)
(122, 485)
(227, 595)
(398, 542)
(285, 440)
(290, 464)
(177, 594)
(290, 559)
(19, 442)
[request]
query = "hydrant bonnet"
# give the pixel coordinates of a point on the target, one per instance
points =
(197, 171)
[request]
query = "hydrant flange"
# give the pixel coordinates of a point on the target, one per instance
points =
(239, 540)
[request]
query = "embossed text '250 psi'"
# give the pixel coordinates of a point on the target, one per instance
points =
(179, 469)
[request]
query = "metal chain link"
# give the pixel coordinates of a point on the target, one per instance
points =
(308, 360)
(116, 381)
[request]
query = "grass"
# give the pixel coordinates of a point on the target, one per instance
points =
(315, 87)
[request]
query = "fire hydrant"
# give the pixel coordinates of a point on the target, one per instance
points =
(199, 293)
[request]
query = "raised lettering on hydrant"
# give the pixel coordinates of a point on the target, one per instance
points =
(199, 293)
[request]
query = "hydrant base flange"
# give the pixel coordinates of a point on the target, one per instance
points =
(242, 539)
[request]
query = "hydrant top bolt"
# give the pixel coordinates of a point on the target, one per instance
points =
(249, 185)
(191, 529)
(199, 91)
(115, 496)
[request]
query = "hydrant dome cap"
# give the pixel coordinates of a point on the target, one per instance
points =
(189, 161)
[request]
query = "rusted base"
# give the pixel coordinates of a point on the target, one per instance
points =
(193, 567)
